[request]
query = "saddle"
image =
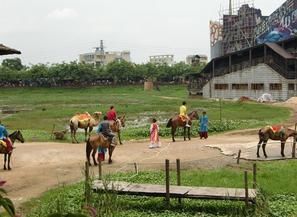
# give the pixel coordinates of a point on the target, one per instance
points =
(183, 118)
(2, 143)
(84, 118)
(277, 129)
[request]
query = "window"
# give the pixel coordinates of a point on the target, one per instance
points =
(221, 86)
(275, 86)
(240, 86)
(291, 87)
(257, 86)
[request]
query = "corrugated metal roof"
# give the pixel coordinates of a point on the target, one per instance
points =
(278, 49)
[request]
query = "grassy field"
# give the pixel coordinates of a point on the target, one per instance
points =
(38, 109)
(276, 182)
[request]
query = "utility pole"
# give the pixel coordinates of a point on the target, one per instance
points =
(230, 7)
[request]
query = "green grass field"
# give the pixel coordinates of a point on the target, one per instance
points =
(41, 108)
(278, 197)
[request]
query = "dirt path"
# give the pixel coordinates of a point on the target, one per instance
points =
(37, 167)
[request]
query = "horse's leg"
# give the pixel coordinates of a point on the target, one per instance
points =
(119, 135)
(90, 130)
(189, 133)
(258, 147)
(110, 150)
(94, 151)
(5, 158)
(264, 148)
(172, 133)
(184, 133)
(86, 132)
(283, 148)
(8, 161)
(74, 136)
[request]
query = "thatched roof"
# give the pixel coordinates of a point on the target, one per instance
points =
(6, 50)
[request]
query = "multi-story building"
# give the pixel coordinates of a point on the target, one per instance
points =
(196, 59)
(100, 57)
(162, 59)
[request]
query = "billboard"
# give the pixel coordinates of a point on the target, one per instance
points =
(280, 25)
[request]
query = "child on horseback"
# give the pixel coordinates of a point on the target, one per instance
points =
(183, 113)
(111, 114)
(4, 139)
(104, 128)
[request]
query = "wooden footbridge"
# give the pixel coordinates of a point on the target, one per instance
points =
(177, 191)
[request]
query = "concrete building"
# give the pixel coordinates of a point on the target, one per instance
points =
(196, 59)
(100, 57)
(162, 59)
(266, 68)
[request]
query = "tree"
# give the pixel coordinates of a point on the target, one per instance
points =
(14, 64)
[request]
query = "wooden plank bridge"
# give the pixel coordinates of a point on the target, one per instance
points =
(124, 188)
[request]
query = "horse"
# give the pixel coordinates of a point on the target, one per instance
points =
(275, 133)
(116, 126)
(84, 121)
(95, 141)
(177, 121)
(17, 135)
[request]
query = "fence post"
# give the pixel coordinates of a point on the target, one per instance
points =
(136, 168)
(100, 169)
(246, 187)
(167, 182)
(238, 156)
(254, 175)
(294, 149)
(178, 176)
(87, 182)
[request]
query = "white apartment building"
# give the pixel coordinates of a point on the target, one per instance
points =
(100, 57)
(162, 59)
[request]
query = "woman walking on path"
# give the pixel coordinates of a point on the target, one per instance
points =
(154, 134)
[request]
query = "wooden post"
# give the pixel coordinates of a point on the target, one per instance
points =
(294, 145)
(254, 175)
(87, 187)
(167, 182)
(136, 168)
(100, 169)
(178, 176)
(238, 156)
(246, 187)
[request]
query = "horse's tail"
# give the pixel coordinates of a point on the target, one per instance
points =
(88, 148)
(169, 124)
(260, 133)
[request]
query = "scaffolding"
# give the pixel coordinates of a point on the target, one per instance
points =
(239, 21)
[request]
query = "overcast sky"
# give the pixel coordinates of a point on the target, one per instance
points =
(52, 31)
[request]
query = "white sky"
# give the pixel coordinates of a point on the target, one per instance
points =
(52, 31)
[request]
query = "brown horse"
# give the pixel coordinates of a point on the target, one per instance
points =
(116, 126)
(84, 121)
(275, 133)
(17, 135)
(96, 141)
(177, 121)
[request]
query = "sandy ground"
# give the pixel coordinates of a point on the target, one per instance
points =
(37, 167)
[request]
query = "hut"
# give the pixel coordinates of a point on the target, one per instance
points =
(4, 50)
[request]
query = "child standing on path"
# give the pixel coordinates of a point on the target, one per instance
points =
(154, 134)
(203, 128)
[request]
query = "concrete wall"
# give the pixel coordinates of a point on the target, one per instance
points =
(261, 73)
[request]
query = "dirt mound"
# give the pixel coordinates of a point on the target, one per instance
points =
(292, 100)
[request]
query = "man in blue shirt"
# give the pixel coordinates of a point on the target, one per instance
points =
(4, 137)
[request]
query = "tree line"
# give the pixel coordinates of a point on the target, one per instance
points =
(14, 74)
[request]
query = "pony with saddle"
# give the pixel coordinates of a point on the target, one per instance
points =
(277, 132)
(17, 135)
(96, 141)
(177, 121)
